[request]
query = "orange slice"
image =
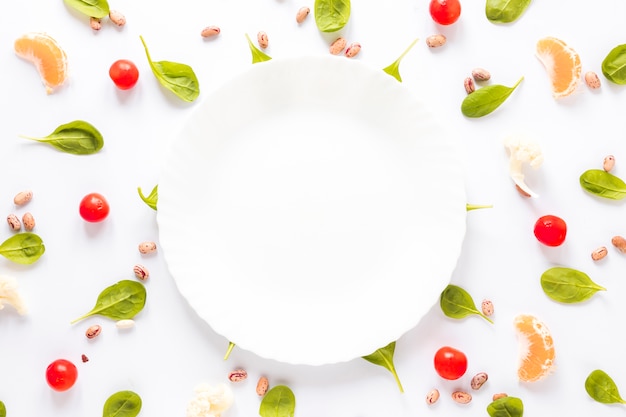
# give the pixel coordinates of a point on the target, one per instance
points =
(562, 64)
(48, 57)
(536, 348)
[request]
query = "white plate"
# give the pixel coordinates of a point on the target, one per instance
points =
(312, 210)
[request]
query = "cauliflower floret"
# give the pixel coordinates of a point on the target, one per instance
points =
(210, 400)
(523, 151)
(9, 294)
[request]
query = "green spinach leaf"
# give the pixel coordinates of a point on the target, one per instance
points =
(77, 137)
(506, 407)
(394, 68)
(122, 404)
(257, 54)
(90, 8)
(229, 350)
(568, 285)
(603, 184)
(176, 77)
(23, 248)
(505, 11)
(486, 99)
(152, 199)
(457, 303)
(601, 387)
(470, 207)
(119, 301)
(384, 357)
(278, 402)
(614, 65)
(331, 15)
(3, 410)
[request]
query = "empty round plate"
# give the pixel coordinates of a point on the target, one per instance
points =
(312, 209)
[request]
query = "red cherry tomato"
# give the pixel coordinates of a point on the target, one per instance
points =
(445, 12)
(61, 375)
(93, 208)
(550, 230)
(124, 74)
(450, 363)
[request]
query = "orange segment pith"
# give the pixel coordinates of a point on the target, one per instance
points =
(536, 348)
(47, 55)
(562, 64)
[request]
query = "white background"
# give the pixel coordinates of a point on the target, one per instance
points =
(170, 350)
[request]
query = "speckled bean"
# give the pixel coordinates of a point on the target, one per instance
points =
(353, 50)
(461, 397)
(22, 197)
(28, 221)
(141, 272)
(93, 331)
(117, 18)
(620, 243)
(468, 83)
(481, 74)
(498, 396)
(435, 41)
(599, 253)
(478, 380)
(337, 46)
(487, 307)
(592, 80)
(303, 12)
(609, 163)
(262, 386)
(237, 375)
(262, 39)
(14, 223)
(210, 31)
(147, 247)
(432, 396)
(95, 23)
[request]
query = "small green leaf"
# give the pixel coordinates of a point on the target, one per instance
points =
(122, 404)
(486, 99)
(614, 65)
(603, 184)
(470, 207)
(152, 199)
(176, 77)
(3, 410)
(231, 346)
(23, 248)
(601, 387)
(90, 8)
(505, 11)
(278, 402)
(457, 303)
(394, 68)
(384, 357)
(331, 15)
(568, 285)
(77, 137)
(119, 301)
(506, 407)
(257, 54)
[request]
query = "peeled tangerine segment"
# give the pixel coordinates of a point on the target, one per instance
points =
(536, 348)
(562, 64)
(47, 55)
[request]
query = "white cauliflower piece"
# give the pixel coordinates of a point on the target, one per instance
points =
(210, 400)
(523, 151)
(9, 295)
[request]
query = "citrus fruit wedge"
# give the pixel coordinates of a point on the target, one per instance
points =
(536, 348)
(562, 64)
(46, 55)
